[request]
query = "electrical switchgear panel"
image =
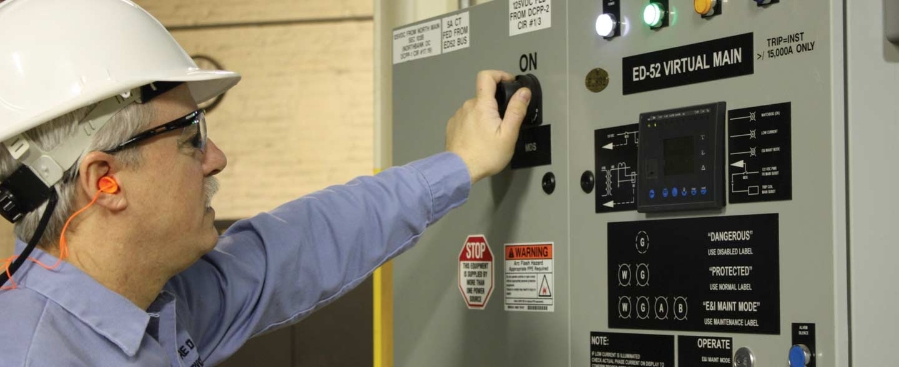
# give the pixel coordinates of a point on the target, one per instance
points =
(679, 200)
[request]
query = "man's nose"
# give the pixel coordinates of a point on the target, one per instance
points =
(214, 160)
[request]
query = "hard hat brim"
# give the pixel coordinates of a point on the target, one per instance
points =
(204, 85)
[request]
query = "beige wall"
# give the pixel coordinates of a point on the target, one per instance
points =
(301, 118)
(7, 239)
(174, 13)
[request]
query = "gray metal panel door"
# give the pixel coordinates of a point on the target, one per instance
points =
(433, 326)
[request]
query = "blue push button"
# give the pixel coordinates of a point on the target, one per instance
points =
(652, 194)
(693, 192)
(674, 192)
(799, 356)
(704, 191)
(683, 191)
(665, 192)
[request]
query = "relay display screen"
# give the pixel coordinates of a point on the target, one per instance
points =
(681, 154)
(678, 154)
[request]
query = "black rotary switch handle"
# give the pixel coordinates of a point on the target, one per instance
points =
(505, 90)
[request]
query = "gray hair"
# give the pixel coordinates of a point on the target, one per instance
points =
(124, 124)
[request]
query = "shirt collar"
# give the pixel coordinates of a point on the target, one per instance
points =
(108, 313)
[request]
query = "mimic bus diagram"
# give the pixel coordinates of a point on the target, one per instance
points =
(616, 172)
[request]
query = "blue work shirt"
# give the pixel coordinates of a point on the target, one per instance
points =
(266, 272)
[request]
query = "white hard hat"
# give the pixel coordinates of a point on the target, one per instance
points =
(60, 55)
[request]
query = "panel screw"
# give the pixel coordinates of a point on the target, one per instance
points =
(587, 182)
(549, 183)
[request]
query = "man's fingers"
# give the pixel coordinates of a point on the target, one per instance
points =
(487, 81)
(517, 109)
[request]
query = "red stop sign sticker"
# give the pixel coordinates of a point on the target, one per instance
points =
(476, 272)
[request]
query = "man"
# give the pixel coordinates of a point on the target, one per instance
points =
(98, 112)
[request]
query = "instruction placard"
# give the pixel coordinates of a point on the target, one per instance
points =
(476, 272)
(628, 350)
(529, 277)
(715, 274)
(455, 32)
(416, 42)
(529, 15)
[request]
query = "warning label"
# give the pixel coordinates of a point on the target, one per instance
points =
(476, 272)
(529, 277)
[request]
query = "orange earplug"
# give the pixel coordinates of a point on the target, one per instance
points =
(108, 185)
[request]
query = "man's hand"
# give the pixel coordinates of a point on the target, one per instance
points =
(485, 142)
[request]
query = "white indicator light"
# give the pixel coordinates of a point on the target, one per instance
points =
(605, 25)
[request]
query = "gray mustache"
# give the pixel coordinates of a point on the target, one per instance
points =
(210, 187)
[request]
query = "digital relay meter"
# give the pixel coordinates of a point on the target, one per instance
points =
(681, 159)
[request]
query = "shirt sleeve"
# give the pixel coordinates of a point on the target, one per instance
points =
(278, 267)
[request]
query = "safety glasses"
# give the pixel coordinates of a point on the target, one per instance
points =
(193, 125)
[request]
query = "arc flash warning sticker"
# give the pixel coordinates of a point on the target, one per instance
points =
(476, 272)
(529, 277)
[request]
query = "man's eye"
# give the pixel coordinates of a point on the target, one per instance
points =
(191, 135)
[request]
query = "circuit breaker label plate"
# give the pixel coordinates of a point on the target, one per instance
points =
(717, 274)
(529, 15)
(417, 42)
(529, 277)
(615, 150)
(760, 162)
(697, 63)
(456, 32)
(628, 350)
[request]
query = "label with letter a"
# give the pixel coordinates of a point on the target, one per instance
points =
(715, 274)
(529, 15)
(529, 277)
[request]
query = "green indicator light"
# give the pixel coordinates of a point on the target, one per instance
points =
(653, 14)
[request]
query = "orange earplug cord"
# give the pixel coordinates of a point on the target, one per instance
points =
(107, 185)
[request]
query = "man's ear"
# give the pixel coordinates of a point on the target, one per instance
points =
(93, 168)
